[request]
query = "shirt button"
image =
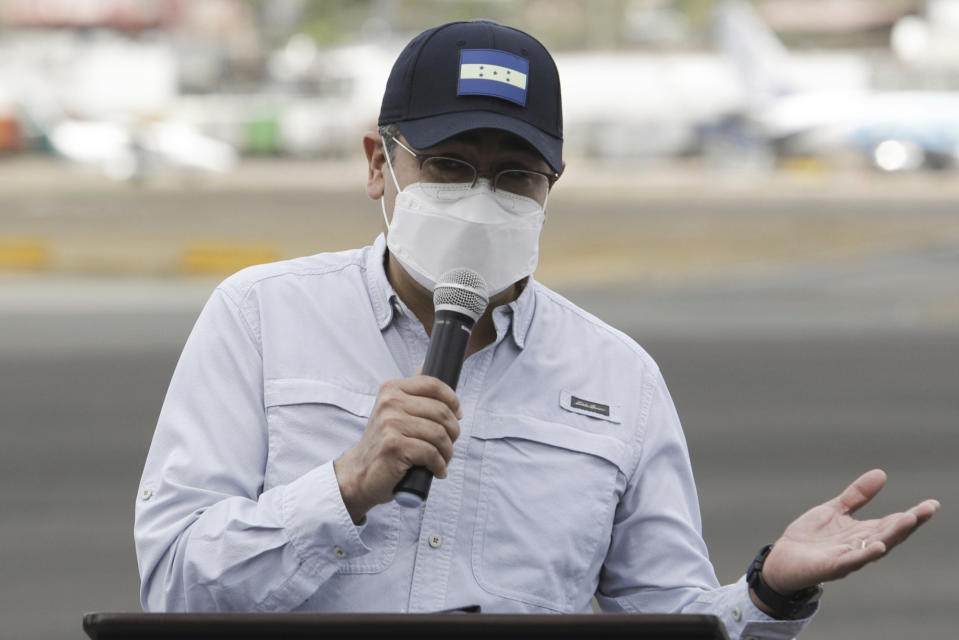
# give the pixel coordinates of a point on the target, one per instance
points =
(736, 614)
(146, 494)
(339, 552)
(436, 540)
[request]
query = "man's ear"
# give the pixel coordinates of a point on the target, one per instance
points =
(376, 161)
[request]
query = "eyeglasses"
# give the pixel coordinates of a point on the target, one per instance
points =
(443, 169)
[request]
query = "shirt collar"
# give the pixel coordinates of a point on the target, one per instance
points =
(381, 291)
(383, 297)
(522, 311)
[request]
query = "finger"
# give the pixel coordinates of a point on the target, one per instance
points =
(431, 387)
(430, 432)
(908, 523)
(861, 555)
(880, 538)
(861, 491)
(925, 510)
(897, 528)
(434, 411)
(422, 453)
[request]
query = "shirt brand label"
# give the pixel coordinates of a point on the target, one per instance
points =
(586, 405)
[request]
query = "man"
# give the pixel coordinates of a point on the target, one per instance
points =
(562, 472)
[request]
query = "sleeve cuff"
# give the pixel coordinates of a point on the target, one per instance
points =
(318, 523)
(756, 624)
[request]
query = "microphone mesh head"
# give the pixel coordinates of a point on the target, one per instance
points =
(462, 290)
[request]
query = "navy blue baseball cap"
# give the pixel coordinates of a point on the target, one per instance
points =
(479, 74)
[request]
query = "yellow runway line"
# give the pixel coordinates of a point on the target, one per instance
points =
(223, 258)
(23, 254)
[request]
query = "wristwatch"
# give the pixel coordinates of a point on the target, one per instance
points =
(783, 607)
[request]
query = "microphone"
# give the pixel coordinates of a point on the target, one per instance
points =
(459, 299)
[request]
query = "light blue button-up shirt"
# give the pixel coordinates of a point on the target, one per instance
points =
(570, 479)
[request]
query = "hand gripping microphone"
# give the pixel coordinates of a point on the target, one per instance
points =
(459, 299)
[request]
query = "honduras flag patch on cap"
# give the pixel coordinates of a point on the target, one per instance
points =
(490, 72)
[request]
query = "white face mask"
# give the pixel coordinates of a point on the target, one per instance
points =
(438, 227)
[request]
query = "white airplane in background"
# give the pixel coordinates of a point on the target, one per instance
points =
(899, 130)
(616, 105)
(628, 105)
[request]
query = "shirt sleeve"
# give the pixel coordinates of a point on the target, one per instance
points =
(208, 538)
(658, 561)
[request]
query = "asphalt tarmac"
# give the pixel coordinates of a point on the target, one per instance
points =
(793, 372)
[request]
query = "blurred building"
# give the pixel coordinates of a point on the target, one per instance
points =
(642, 78)
(121, 61)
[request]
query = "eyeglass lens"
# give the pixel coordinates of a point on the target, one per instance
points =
(517, 181)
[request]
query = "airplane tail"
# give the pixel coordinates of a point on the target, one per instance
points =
(760, 58)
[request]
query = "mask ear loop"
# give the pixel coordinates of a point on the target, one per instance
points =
(392, 175)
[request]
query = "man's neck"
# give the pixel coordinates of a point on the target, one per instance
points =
(420, 302)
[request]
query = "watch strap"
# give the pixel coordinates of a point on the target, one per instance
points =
(783, 607)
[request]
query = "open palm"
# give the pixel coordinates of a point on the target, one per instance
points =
(826, 543)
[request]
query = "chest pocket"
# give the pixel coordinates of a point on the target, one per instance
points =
(310, 423)
(547, 495)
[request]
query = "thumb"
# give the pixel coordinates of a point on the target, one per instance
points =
(861, 491)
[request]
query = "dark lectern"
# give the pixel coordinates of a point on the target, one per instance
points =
(382, 626)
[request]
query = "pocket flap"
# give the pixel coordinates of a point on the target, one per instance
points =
(304, 391)
(554, 434)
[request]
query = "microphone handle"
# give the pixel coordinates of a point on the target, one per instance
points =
(448, 342)
(444, 360)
